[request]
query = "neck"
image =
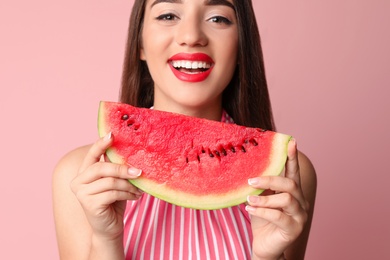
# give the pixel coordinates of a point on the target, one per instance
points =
(213, 112)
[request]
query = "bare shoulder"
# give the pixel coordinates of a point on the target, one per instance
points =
(72, 228)
(66, 170)
(71, 161)
(308, 176)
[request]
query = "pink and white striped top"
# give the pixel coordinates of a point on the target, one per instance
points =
(155, 229)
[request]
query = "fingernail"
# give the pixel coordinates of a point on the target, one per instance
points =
(253, 181)
(253, 199)
(108, 136)
(139, 193)
(294, 141)
(134, 172)
(250, 208)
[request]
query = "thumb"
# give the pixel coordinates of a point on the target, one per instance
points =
(292, 164)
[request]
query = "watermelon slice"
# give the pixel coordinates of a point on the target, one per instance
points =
(188, 161)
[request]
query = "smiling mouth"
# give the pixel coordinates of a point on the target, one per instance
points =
(191, 67)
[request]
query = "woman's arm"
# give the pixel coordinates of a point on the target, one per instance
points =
(281, 217)
(73, 231)
(89, 200)
(309, 187)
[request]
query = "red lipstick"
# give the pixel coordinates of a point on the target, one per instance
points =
(201, 62)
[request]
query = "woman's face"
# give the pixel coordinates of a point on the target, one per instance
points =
(190, 47)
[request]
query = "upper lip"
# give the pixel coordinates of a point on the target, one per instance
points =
(191, 60)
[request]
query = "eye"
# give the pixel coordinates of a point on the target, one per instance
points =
(166, 17)
(220, 19)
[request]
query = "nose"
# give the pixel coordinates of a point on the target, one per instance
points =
(191, 32)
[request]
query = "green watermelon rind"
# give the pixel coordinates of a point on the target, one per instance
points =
(277, 158)
(213, 201)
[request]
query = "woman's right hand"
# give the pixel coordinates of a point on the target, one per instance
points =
(102, 188)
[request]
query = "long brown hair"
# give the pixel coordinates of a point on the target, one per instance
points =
(246, 98)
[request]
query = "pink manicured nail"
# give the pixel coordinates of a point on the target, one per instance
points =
(253, 181)
(253, 199)
(250, 208)
(294, 141)
(108, 136)
(139, 193)
(134, 172)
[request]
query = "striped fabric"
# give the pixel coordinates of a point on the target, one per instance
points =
(155, 229)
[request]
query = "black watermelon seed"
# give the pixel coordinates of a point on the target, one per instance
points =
(232, 149)
(125, 117)
(243, 149)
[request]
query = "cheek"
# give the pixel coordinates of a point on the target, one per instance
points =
(154, 42)
(228, 47)
(234, 48)
(230, 55)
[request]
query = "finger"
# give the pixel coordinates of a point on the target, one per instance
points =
(284, 201)
(96, 151)
(275, 216)
(104, 169)
(279, 184)
(107, 184)
(110, 197)
(274, 183)
(292, 164)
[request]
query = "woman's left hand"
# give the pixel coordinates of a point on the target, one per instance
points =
(278, 219)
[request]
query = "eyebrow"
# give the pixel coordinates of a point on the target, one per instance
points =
(165, 1)
(220, 2)
(208, 2)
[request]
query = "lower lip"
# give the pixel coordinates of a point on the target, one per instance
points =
(196, 77)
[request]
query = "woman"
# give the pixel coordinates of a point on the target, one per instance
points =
(199, 58)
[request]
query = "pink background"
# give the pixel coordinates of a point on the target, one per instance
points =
(328, 69)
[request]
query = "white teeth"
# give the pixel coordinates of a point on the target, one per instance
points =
(190, 64)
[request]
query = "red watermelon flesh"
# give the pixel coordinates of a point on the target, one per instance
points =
(188, 161)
